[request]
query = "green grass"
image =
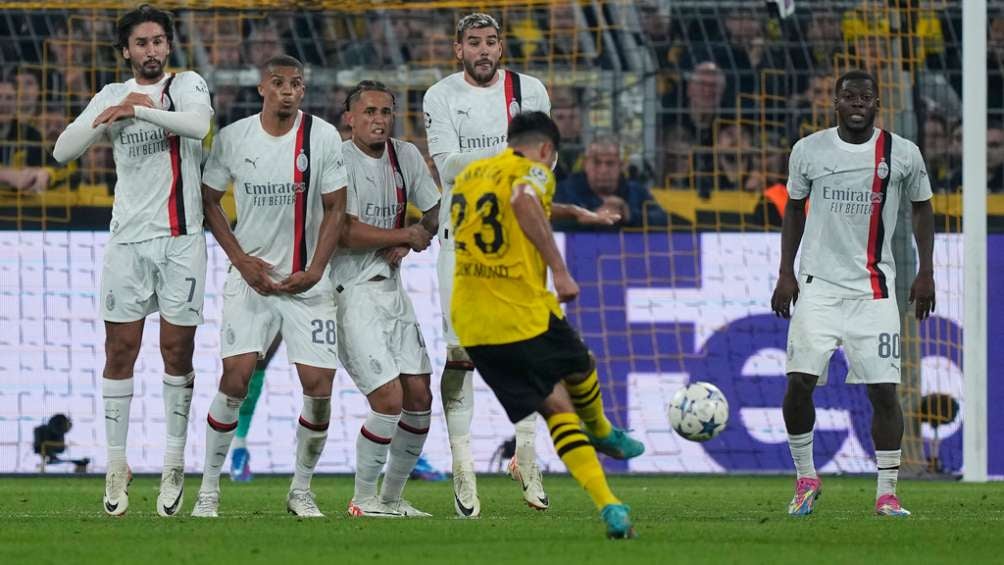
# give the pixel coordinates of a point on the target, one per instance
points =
(680, 520)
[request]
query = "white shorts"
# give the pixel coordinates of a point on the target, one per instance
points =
(378, 334)
(868, 330)
(444, 270)
(166, 274)
(307, 322)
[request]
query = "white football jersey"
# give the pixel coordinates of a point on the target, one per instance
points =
(854, 194)
(158, 192)
(378, 196)
(460, 118)
(278, 183)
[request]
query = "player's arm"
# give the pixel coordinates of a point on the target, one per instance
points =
(193, 124)
(360, 235)
(192, 118)
(792, 228)
(922, 291)
(575, 213)
(327, 243)
(254, 270)
(533, 221)
(82, 132)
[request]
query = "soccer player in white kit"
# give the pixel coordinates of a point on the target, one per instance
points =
(289, 179)
(380, 343)
(855, 175)
(467, 116)
(155, 259)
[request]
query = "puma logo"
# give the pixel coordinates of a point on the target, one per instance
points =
(831, 170)
(254, 163)
(466, 113)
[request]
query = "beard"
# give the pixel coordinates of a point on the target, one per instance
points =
(149, 71)
(479, 76)
(285, 113)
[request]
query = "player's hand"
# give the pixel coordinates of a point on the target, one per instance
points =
(922, 295)
(419, 238)
(566, 287)
(394, 255)
(299, 282)
(31, 179)
(785, 294)
(604, 216)
(138, 99)
(114, 113)
(256, 272)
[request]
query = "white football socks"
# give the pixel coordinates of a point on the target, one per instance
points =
(177, 404)
(311, 435)
(801, 453)
(222, 422)
(372, 445)
(526, 438)
(888, 471)
(405, 449)
(117, 397)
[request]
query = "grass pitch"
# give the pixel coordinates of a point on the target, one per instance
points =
(685, 520)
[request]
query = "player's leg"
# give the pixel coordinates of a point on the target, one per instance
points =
(813, 336)
(221, 423)
(311, 435)
(122, 343)
(407, 443)
(457, 394)
(586, 394)
(579, 456)
(873, 354)
(127, 288)
(240, 457)
(523, 466)
(309, 328)
(180, 289)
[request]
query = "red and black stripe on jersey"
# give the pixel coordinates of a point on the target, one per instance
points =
(301, 179)
(176, 198)
(513, 93)
(400, 188)
(876, 225)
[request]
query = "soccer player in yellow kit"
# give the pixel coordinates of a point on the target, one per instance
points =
(509, 322)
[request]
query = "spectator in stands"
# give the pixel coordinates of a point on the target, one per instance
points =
(602, 185)
(29, 96)
(995, 157)
(333, 110)
(21, 156)
(705, 90)
(566, 112)
(812, 110)
(749, 57)
(678, 169)
(736, 166)
(263, 43)
(941, 165)
(225, 52)
(995, 63)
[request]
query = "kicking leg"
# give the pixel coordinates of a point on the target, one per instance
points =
(587, 398)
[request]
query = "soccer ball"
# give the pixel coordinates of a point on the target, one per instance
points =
(698, 411)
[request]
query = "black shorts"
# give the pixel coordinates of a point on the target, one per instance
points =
(523, 373)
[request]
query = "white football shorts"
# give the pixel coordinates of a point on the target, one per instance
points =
(378, 334)
(867, 329)
(308, 322)
(165, 274)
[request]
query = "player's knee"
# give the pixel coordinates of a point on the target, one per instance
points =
(234, 384)
(417, 396)
(177, 356)
(120, 355)
(800, 386)
(387, 399)
(883, 397)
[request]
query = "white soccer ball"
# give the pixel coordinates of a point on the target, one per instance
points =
(698, 411)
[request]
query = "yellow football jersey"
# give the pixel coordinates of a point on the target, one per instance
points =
(500, 290)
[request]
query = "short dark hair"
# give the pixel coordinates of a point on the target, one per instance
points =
(476, 20)
(367, 86)
(282, 61)
(533, 126)
(856, 74)
(142, 14)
